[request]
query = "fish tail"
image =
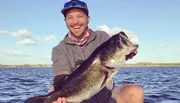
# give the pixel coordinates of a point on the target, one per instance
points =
(37, 99)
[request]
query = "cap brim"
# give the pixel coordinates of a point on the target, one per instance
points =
(63, 11)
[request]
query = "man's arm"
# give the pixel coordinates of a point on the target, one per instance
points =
(58, 81)
(61, 66)
(60, 61)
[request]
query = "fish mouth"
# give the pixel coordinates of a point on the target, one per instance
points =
(109, 67)
(132, 53)
(133, 50)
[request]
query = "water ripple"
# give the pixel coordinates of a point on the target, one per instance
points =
(161, 84)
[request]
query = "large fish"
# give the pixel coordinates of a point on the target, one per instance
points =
(94, 73)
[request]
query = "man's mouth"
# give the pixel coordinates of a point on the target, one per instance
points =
(76, 27)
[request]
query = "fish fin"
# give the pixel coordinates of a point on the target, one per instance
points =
(105, 79)
(36, 99)
(110, 85)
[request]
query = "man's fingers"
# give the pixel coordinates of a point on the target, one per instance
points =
(59, 100)
(63, 100)
(51, 90)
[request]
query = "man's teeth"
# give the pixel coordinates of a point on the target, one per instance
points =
(76, 27)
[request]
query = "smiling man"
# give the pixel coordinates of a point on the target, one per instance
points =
(76, 46)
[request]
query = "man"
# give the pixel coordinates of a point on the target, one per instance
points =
(77, 45)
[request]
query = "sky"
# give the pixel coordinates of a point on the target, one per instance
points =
(29, 29)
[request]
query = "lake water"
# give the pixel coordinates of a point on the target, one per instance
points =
(161, 84)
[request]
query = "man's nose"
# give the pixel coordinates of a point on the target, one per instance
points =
(75, 21)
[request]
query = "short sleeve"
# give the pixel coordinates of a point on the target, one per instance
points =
(60, 61)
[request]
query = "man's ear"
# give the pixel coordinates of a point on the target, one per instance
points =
(88, 19)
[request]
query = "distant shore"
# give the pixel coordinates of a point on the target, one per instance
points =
(27, 66)
(50, 65)
(152, 65)
(144, 64)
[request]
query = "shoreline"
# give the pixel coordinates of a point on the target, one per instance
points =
(125, 65)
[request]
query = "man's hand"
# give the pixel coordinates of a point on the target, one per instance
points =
(60, 100)
(51, 90)
(131, 55)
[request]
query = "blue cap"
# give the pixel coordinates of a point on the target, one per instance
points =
(75, 4)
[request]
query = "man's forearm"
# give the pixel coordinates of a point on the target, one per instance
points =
(59, 81)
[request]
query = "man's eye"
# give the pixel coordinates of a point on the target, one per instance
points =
(80, 16)
(70, 17)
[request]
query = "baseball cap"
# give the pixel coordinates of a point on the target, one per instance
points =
(75, 4)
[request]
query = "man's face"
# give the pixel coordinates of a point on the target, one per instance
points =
(77, 22)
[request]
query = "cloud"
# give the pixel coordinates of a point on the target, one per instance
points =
(37, 38)
(27, 38)
(5, 32)
(16, 54)
(50, 38)
(27, 42)
(23, 33)
(112, 31)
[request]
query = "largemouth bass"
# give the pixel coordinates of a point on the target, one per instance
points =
(94, 73)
